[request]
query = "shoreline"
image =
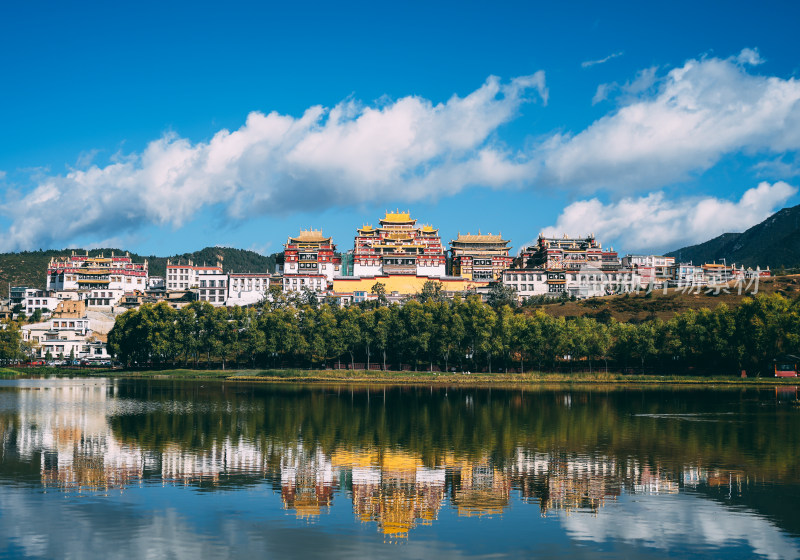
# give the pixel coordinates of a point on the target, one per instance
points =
(364, 377)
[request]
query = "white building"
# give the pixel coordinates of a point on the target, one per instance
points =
(247, 289)
(687, 274)
(298, 282)
(101, 281)
(585, 283)
(33, 299)
(103, 298)
(212, 284)
(654, 269)
(209, 282)
(65, 337)
(156, 283)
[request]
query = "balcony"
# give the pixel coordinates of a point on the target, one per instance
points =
(399, 269)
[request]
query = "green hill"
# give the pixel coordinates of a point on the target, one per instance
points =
(773, 243)
(28, 268)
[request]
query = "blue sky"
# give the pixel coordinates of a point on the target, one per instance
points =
(164, 128)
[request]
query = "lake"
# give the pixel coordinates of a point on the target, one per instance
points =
(116, 468)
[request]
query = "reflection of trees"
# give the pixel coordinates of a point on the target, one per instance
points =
(721, 427)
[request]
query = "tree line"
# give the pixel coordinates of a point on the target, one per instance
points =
(436, 334)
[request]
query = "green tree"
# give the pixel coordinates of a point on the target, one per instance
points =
(379, 289)
(283, 337)
(349, 330)
(767, 327)
(479, 320)
(517, 347)
(431, 291)
(503, 334)
(36, 316)
(383, 330)
(367, 327)
(309, 297)
(187, 333)
(10, 339)
(416, 327)
(500, 295)
(252, 338)
(163, 343)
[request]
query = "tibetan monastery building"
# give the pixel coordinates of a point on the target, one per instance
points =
(309, 261)
(481, 257)
(568, 253)
(398, 246)
(311, 253)
(101, 280)
(400, 255)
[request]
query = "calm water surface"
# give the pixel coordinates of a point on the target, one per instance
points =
(198, 469)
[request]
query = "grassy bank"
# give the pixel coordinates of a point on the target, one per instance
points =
(406, 377)
(427, 378)
(393, 377)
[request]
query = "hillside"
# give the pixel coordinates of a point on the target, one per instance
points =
(28, 267)
(775, 242)
(637, 308)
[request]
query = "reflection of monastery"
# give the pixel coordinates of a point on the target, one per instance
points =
(65, 428)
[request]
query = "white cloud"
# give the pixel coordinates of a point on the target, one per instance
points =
(588, 63)
(676, 126)
(655, 223)
(631, 90)
(749, 56)
(665, 129)
(778, 167)
(409, 149)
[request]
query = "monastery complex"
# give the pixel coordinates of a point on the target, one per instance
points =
(394, 260)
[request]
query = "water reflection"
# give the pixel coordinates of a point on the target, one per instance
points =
(609, 466)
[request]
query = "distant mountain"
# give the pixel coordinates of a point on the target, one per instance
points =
(28, 268)
(775, 242)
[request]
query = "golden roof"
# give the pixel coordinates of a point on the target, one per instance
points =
(479, 238)
(429, 229)
(309, 236)
(397, 217)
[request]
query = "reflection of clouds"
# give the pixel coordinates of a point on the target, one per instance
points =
(666, 522)
(47, 528)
